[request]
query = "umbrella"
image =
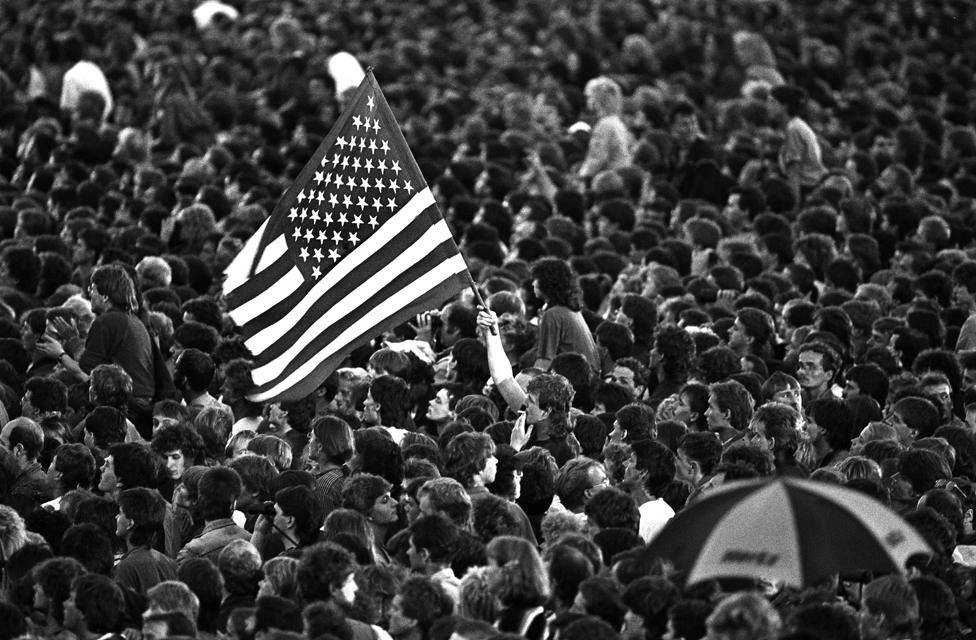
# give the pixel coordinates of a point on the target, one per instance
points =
(788, 530)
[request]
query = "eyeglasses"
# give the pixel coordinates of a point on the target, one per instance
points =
(951, 485)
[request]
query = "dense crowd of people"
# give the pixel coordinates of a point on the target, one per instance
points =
(715, 241)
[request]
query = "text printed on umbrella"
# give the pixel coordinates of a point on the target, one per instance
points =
(742, 556)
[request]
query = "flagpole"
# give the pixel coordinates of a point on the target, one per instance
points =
(477, 296)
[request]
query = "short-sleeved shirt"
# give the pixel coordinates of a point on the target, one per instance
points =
(563, 330)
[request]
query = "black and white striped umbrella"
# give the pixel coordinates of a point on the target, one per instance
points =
(787, 530)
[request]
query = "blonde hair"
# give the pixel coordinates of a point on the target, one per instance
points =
(606, 94)
(521, 579)
(282, 575)
(475, 597)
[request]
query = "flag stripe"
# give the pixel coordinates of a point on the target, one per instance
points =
(397, 301)
(377, 243)
(239, 268)
(331, 316)
(310, 383)
(304, 305)
(265, 289)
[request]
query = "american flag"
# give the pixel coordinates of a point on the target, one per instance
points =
(357, 245)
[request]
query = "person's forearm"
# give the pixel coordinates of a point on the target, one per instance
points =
(501, 371)
(72, 367)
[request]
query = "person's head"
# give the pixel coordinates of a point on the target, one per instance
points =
(43, 396)
(729, 406)
(332, 440)
(24, 438)
(180, 446)
(280, 577)
(752, 332)
(111, 386)
(96, 605)
(775, 426)
(782, 387)
(387, 403)
(470, 459)
(432, 540)
(603, 96)
(13, 534)
(826, 619)
(370, 495)
(193, 372)
(128, 465)
(918, 417)
(579, 479)
(239, 564)
(743, 615)
(867, 379)
(140, 518)
(673, 352)
(698, 453)
(610, 507)
(636, 421)
(692, 405)
(169, 624)
(550, 397)
(203, 578)
(555, 282)
(922, 469)
(448, 497)
(218, 491)
(259, 477)
(111, 287)
(521, 579)
(458, 320)
(889, 607)
(326, 572)
(274, 615)
(52, 584)
(73, 467)
(275, 449)
(817, 366)
(172, 596)
(299, 510)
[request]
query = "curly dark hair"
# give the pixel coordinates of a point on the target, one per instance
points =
(677, 350)
(179, 437)
(466, 454)
(377, 453)
(610, 507)
(558, 283)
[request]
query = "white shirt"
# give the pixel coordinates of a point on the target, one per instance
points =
(654, 514)
(85, 76)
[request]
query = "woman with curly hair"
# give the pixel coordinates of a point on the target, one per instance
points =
(561, 326)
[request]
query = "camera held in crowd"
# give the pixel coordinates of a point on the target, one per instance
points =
(262, 509)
